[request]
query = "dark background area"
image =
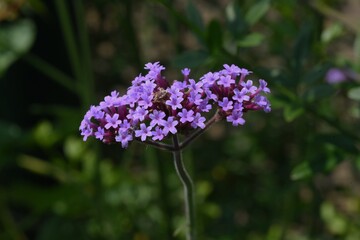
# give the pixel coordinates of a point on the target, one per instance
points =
(289, 174)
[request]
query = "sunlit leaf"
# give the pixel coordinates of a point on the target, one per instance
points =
(257, 11)
(292, 112)
(354, 93)
(331, 32)
(251, 40)
(236, 22)
(301, 171)
(16, 38)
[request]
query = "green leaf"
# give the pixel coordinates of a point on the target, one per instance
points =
(251, 40)
(332, 32)
(257, 11)
(301, 171)
(214, 36)
(354, 94)
(357, 51)
(340, 141)
(316, 74)
(319, 92)
(15, 40)
(291, 112)
(236, 24)
(194, 15)
(190, 59)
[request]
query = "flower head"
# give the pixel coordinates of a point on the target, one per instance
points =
(152, 108)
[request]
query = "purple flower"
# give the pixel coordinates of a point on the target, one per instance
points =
(262, 102)
(195, 98)
(153, 108)
(236, 118)
(112, 121)
(169, 126)
(240, 96)
(198, 121)
(124, 138)
(263, 86)
(157, 118)
(210, 78)
(99, 134)
(96, 112)
(225, 104)
(335, 75)
(144, 132)
(186, 116)
(233, 69)
(175, 90)
(226, 81)
(86, 132)
(154, 69)
(185, 72)
(139, 113)
(174, 102)
(249, 86)
(157, 134)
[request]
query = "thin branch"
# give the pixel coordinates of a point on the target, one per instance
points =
(159, 145)
(200, 131)
(188, 190)
(50, 71)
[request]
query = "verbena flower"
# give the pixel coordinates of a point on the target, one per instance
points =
(153, 109)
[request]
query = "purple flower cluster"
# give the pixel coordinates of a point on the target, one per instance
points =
(151, 109)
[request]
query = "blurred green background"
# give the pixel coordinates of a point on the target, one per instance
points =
(291, 174)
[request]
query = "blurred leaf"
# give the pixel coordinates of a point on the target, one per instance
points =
(214, 36)
(65, 228)
(45, 135)
(319, 92)
(190, 59)
(275, 232)
(211, 210)
(354, 93)
(332, 32)
(334, 221)
(236, 23)
(357, 51)
(42, 167)
(251, 40)
(316, 73)
(74, 148)
(38, 6)
(203, 189)
(301, 171)
(16, 38)
(291, 112)
(194, 15)
(303, 44)
(257, 11)
(9, 133)
(339, 140)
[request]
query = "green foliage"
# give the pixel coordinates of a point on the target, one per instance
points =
(291, 174)
(16, 38)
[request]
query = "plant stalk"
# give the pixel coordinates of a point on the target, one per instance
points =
(188, 190)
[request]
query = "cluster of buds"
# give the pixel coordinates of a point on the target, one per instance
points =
(152, 108)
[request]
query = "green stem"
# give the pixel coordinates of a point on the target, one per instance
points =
(200, 131)
(164, 197)
(69, 38)
(188, 190)
(51, 72)
(86, 82)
